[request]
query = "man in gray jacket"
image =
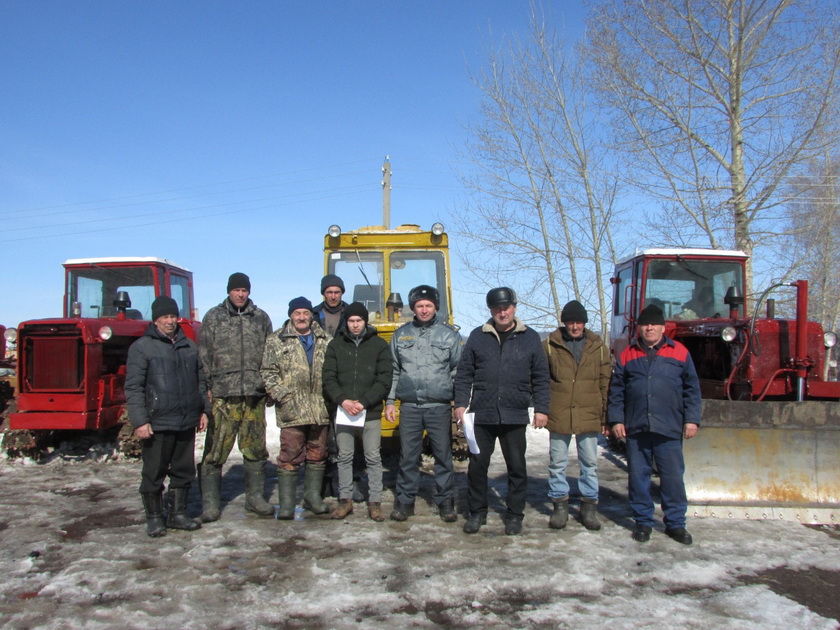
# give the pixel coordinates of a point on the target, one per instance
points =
(425, 353)
(232, 341)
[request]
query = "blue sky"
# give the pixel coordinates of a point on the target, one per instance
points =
(227, 136)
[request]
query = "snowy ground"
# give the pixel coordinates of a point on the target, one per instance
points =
(75, 555)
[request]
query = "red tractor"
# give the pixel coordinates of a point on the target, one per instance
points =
(770, 433)
(71, 370)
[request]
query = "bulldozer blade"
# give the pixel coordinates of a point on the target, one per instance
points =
(762, 460)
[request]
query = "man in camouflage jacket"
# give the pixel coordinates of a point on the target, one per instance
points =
(231, 346)
(291, 368)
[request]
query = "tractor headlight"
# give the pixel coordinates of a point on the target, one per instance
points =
(105, 333)
(829, 339)
(10, 335)
(437, 228)
(728, 334)
(334, 231)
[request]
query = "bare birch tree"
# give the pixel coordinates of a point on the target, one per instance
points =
(719, 102)
(543, 196)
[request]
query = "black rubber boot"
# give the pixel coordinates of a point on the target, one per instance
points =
(589, 515)
(177, 517)
(446, 511)
(313, 480)
(211, 490)
(560, 516)
(286, 493)
(402, 511)
(153, 505)
(474, 522)
(254, 485)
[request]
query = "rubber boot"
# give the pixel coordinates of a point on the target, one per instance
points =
(254, 485)
(286, 493)
(177, 518)
(211, 489)
(153, 505)
(560, 516)
(313, 479)
(589, 515)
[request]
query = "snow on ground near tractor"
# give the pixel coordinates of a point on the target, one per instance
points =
(75, 555)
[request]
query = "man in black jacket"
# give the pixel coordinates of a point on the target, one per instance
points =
(166, 397)
(503, 371)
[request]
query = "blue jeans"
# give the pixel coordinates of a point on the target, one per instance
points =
(642, 450)
(558, 458)
(437, 421)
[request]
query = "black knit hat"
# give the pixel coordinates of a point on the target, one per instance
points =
(356, 309)
(501, 296)
(299, 302)
(238, 280)
(331, 280)
(651, 314)
(574, 312)
(423, 292)
(164, 305)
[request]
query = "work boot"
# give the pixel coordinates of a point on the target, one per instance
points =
(153, 505)
(474, 522)
(375, 511)
(211, 489)
(642, 533)
(680, 534)
(560, 516)
(177, 517)
(402, 511)
(313, 479)
(513, 525)
(286, 494)
(446, 511)
(589, 514)
(344, 507)
(254, 486)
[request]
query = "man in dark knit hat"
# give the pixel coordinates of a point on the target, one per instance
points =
(654, 402)
(329, 313)
(231, 344)
(164, 366)
(579, 365)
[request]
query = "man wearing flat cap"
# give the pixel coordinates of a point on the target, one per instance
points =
(654, 402)
(231, 344)
(166, 399)
(292, 366)
(579, 365)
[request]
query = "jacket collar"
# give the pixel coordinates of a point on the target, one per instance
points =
(287, 330)
(638, 342)
(248, 309)
(488, 327)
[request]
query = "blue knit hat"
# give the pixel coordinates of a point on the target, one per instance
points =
(299, 302)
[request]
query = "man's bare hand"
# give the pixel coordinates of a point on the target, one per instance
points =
(352, 407)
(619, 432)
(459, 414)
(144, 432)
(202, 423)
(690, 430)
(390, 413)
(540, 420)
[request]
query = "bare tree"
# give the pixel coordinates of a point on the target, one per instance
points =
(543, 195)
(718, 102)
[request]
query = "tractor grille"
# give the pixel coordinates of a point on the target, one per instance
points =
(54, 359)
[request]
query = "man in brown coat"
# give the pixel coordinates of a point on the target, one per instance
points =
(580, 367)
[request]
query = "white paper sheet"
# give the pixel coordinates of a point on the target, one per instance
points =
(342, 417)
(469, 432)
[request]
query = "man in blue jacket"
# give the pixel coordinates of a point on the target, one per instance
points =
(502, 372)
(654, 402)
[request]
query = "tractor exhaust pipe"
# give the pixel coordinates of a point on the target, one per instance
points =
(801, 351)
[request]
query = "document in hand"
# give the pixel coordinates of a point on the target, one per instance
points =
(469, 432)
(342, 417)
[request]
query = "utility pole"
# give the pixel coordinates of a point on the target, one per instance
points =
(386, 193)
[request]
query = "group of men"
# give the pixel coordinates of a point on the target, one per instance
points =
(327, 370)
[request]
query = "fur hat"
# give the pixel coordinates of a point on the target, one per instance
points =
(423, 292)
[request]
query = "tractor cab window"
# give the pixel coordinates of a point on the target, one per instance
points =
(95, 289)
(411, 269)
(363, 277)
(691, 289)
(180, 292)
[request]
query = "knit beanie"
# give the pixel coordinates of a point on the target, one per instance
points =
(356, 309)
(574, 312)
(164, 305)
(651, 314)
(299, 302)
(423, 292)
(331, 280)
(238, 280)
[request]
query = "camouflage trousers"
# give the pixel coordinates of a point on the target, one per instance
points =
(235, 418)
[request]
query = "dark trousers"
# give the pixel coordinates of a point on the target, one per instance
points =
(437, 422)
(512, 440)
(168, 453)
(642, 450)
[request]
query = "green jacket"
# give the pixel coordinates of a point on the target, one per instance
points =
(360, 372)
(290, 381)
(578, 390)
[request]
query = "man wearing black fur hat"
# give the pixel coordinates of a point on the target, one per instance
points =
(166, 398)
